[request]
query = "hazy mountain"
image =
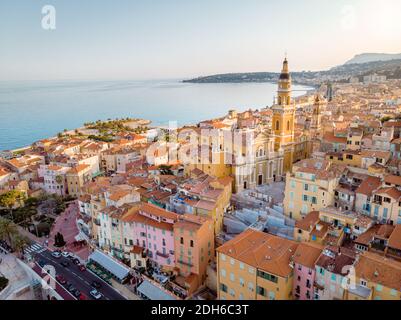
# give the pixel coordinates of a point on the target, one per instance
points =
(371, 57)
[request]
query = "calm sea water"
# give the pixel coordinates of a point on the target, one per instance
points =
(30, 111)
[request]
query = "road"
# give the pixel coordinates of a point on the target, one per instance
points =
(81, 280)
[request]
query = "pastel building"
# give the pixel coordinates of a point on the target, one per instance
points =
(255, 266)
(304, 261)
(154, 231)
(194, 248)
(331, 274)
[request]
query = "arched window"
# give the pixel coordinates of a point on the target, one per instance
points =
(288, 100)
(288, 125)
(277, 125)
(260, 152)
(279, 100)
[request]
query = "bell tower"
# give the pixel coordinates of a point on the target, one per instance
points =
(283, 126)
(283, 110)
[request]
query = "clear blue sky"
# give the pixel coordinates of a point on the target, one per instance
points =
(145, 39)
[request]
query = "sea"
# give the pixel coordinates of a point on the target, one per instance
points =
(34, 110)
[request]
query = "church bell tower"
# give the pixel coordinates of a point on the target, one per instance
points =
(283, 126)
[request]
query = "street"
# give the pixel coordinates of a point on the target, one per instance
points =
(81, 280)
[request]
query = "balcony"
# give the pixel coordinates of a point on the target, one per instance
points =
(163, 255)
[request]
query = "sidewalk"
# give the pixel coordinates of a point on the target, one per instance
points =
(66, 224)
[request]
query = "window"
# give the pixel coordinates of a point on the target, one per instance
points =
(232, 292)
(223, 287)
(261, 291)
(232, 262)
(241, 282)
(250, 286)
(277, 125)
(182, 240)
(267, 276)
(232, 277)
(192, 243)
(333, 277)
(393, 292)
(379, 287)
(306, 187)
(251, 270)
(241, 266)
(223, 273)
(223, 257)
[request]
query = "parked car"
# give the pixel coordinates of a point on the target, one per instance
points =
(76, 261)
(65, 264)
(66, 254)
(82, 267)
(61, 279)
(71, 288)
(96, 294)
(76, 293)
(42, 263)
(56, 254)
(96, 285)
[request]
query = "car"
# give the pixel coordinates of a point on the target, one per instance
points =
(65, 264)
(66, 254)
(60, 279)
(82, 267)
(56, 254)
(42, 263)
(71, 288)
(82, 297)
(76, 261)
(96, 294)
(96, 285)
(76, 293)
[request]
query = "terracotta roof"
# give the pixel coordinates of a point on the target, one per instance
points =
(392, 192)
(79, 168)
(157, 211)
(395, 239)
(261, 250)
(377, 269)
(115, 196)
(330, 137)
(308, 222)
(368, 186)
(391, 179)
(307, 254)
(335, 262)
(375, 154)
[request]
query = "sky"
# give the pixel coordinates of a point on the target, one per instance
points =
(165, 39)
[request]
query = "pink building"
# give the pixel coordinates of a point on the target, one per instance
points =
(304, 260)
(154, 231)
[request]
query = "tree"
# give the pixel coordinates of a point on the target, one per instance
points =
(7, 230)
(10, 198)
(59, 240)
(19, 243)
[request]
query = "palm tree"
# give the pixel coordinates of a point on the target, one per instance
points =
(19, 243)
(7, 230)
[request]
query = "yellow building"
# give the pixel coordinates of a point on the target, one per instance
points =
(255, 266)
(77, 177)
(283, 126)
(348, 157)
(310, 187)
(376, 278)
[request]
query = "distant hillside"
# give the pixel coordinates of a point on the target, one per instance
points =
(371, 57)
(390, 68)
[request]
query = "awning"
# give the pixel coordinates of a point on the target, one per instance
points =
(152, 292)
(117, 269)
